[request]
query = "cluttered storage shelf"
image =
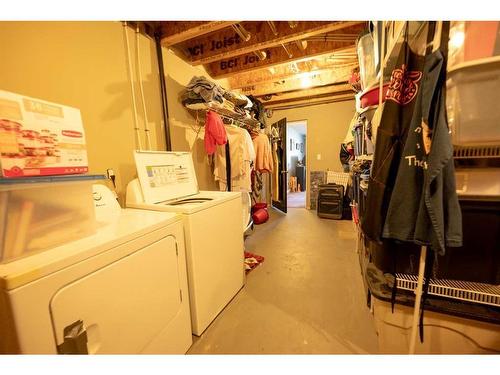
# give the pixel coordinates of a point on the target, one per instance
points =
(225, 111)
(464, 280)
(237, 146)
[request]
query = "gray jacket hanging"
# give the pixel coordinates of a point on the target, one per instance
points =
(424, 207)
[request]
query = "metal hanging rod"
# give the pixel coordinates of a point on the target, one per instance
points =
(289, 54)
(272, 26)
(242, 32)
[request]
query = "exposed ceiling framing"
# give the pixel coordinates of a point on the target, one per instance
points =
(178, 32)
(278, 61)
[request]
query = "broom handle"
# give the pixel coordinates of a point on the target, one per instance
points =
(418, 298)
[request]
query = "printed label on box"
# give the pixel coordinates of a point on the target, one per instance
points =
(39, 138)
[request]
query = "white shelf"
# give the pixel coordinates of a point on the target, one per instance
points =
(224, 111)
(468, 291)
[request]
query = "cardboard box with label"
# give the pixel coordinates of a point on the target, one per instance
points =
(39, 138)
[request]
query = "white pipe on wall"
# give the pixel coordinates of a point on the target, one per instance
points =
(139, 75)
(138, 142)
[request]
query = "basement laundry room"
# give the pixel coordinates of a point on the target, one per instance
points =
(231, 185)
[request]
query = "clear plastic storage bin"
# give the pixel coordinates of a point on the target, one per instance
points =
(472, 41)
(472, 105)
(366, 57)
(40, 213)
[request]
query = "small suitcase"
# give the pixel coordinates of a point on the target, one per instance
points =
(330, 201)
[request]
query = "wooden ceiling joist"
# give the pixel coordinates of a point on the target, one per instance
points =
(175, 32)
(316, 92)
(277, 55)
(226, 43)
(284, 71)
(301, 81)
(308, 102)
(312, 99)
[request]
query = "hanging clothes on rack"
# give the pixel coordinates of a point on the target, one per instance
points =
(349, 137)
(257, 110)
(257, 185)
(263, 162)
(264, 158)
(391, 137)
(275, 136)
(215, 133)
(367, 135)
(241, 157)
(424, 206)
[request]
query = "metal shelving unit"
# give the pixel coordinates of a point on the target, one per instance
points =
(455, 289)
(470, 292)
(224, 111)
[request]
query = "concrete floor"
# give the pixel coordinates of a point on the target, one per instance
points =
(297, 199)
(307, 296)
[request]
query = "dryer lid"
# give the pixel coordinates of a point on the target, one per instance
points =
(165, 176)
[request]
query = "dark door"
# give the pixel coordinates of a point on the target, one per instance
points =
(280, 179)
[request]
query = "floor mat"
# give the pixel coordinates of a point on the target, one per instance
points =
(252, 261)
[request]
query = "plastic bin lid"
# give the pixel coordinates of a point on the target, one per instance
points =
(50, 179)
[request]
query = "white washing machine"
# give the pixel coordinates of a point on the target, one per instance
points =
(122, 290)
(212, 224)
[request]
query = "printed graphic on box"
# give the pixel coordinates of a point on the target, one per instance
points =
(39, 138)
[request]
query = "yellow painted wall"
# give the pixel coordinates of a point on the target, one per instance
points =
(83, 65)
(327, 125)
(187, 132)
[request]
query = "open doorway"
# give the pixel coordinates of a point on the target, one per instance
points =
(296, 163)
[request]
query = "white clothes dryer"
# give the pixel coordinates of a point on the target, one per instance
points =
(212, 224)
(122, 290)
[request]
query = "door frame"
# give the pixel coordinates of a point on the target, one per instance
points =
(282, 205)
(307, 158)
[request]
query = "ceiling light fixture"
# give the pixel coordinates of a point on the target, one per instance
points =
(306, 79)
(305, 82)
(293, 24)
(242, 32)
(457, 39)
